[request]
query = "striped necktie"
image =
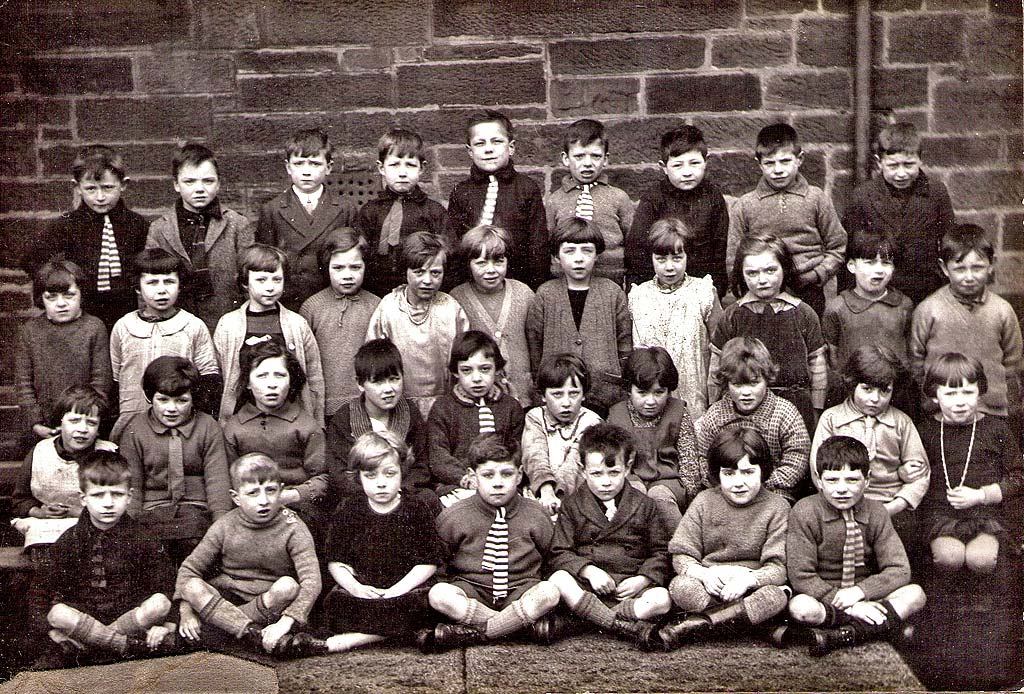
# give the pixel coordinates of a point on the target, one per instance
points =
(110, 262)
(853, 550)
(585, 204)
(490, 201)
(610, 509)
(495, 557)
(485, 417)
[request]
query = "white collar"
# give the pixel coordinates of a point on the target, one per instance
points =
(309, 198)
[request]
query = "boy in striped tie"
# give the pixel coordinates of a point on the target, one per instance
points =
(495, 193)
(845, 561)
(496, 542)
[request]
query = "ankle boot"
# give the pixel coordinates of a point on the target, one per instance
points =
(300, 645)
(555, 626)
(252, 636)
(446, 636)
(705, 623)
(824, 641)
(640, 632)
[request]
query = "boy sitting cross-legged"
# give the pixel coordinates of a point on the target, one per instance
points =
(255, 574)
(845, 560)
(107, 579)
(496, 542)
(611, 543)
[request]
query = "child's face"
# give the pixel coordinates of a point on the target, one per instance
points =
(763, 275)
(685, 171)
(958, 404)
(843, 488)
(585, 162)
(382, 484)
(872, 276)
(968, 276)
(649, 402)
(605, 482)
(383, 394)
(197, 185)
(670, 269)
(172, 410)
(871, 400)
(900, 169)
(308, 172)
(106, 503)
(65, 306)
(159, 293)
(780, 168)
(265, 288)
(401, 173)
(577, 260)
(259, 502)
(497, 481)
(742, 483)
(101, 196)
(476, 374)
(488, 273)
(346, 271)
(747, 397)
(564, 402)
(269, 382)
(490, 147)
(425, 281)
(78, 430)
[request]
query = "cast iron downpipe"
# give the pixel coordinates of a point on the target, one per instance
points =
(862, 92)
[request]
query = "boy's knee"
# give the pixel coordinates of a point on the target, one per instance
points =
(195, 591)
(913, 598)
(546, 594)
(658, 600)
(805, 609)
(948, 553)
(61, 617)
(285, 588)
(156, 606)
(563, 581)
(981, 563)
(442, 595)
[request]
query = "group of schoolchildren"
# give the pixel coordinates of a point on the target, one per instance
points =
(574, 434)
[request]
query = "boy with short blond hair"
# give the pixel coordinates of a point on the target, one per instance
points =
(903, 201)
(401, 208)
(586, 194)
(686, 194)
(255, 574)
(203, 234)
(785, 205)
(297, 220)
(495, 193)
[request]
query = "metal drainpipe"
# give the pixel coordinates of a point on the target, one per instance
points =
(862, 91)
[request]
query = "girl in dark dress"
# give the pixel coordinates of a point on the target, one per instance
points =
(382, 551)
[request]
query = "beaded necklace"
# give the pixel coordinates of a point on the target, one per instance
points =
(942, 451)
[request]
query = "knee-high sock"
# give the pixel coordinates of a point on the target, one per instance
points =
(92, 633)
(477, 614)
(508, 621)
(127, 624)
(627, 609)
(593, 610)
(764, 603)
(223, 615)
(257, 610)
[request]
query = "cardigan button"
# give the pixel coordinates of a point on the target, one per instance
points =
(497, 334)
(578, 342)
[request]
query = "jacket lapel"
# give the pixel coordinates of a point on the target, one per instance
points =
(215, 228)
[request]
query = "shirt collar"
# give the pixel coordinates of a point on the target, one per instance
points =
(920, 187)
(845, 413)
(971, 303)
(784, 300)
(799, 186)
(570, 183)
(249, 412)
(505, 173)
(313, 197)
(858, 304)
(211, 211)
(831, 513)
(417, 194)
(186, 429)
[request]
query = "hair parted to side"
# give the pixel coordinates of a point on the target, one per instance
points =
(376, 360)
(400, 142)
(669, 235)
(254, 468)
(685, 138)
(873, 365)
(756, 244)
(772, 138)
(169, 375)
(309, 142)
(842, 452)
(898, 138)
(646, 367)
(260, 257)
(556, 369)
(953, 370)
(584, 132)
(374, 448)
(576, 231)
(56, 276)
(420, 247)
(103, 469)
(746, 360)
(610, 440)
(733, 441)
(469, 343)
(487, 241)
(489, 116)
(80, 399)
(192, 154)
(490, 448)
(957, 243)
(93, 161)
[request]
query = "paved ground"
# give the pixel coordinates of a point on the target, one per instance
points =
(587, 663)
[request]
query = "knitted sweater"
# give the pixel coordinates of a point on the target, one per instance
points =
(52, 356)
(666, 447)
(250, 557)
(339, 324)
(551, 451)
(779, 422)
(850, 321)
(715, 531)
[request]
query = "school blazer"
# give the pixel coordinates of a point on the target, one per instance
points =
(225, 239)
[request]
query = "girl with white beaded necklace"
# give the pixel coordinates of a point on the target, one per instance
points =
(976, 467)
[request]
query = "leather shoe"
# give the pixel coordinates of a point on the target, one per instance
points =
(300, 645)
(446, 636)
(824, 641)
(685, 630)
